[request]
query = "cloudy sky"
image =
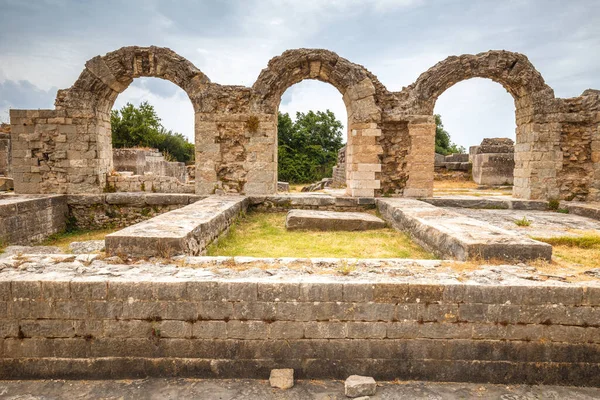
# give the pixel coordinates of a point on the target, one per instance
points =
(44, 45)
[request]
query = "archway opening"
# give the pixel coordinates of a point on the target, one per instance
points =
(152, 136)
(312, 136)
(475, 137)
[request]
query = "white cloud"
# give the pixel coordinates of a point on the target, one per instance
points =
(476, 109)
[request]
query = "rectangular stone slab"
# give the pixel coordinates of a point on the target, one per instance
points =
(187, 230)
(332, 221)
(450, 234)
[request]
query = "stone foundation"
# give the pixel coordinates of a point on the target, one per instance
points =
(101, 327)
(30, 219)
(120, 182)
(449, 234)
(188, 230)
(119, 210)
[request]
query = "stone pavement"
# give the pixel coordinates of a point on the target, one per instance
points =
(226, 389)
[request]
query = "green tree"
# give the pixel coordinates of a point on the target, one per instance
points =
(443, 144)
(308, 147)
(140, 127)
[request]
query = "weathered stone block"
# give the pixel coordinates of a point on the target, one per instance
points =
(356, 386)
(332, 221)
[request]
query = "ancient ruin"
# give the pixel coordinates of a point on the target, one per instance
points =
(390, 134)
(487, 303)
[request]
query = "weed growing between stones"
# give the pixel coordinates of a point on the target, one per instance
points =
(523, 222)
(345, 268)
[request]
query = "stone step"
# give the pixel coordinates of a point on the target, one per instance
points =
(332, 221)
(450, 234)
(187, 230)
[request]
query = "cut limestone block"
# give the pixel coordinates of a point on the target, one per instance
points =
(450, 234)
(357, 385)
(332, 221)
(282, 378)
(187, 230)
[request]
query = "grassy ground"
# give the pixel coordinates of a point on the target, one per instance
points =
(583, 250)
(264, 235)
(63, 240)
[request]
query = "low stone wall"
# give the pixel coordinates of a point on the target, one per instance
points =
(449, 234)
(31, 219)
(310, 202)
(146, 183)
(189, 230)
(122, 209)
(101, 327)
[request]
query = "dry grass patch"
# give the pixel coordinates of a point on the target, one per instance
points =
(63, 240)
(264, 235)
(575, 251)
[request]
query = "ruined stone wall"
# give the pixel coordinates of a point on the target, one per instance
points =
(339, 171)
(390, 147)
(119, 210)
(146, 183)
(26, 220)
(4, 150)
(101, 327)
(142, 161)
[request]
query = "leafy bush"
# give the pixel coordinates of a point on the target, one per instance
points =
(308, 147)
(443, 145)
(140, 127)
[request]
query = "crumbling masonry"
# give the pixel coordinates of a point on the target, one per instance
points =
(390, 147)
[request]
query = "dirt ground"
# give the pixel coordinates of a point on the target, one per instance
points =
(225, 389)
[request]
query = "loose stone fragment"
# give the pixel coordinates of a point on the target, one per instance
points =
(357, 385)
(332, 221)
(282, 378)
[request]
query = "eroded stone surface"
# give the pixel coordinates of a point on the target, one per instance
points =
(544, 224)
(332, 221)
(87, 247)
(186, 230)
(451, 234)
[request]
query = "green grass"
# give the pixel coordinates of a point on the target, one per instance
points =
(523, 222)
(264, 235)
(583, 250)
(585, 241)
(63, 240)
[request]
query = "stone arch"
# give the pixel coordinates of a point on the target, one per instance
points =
(91, 98)
(513, 71)
(360, 91)
(535, 174)
(105, 77)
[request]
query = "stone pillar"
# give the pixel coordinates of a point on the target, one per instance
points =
(421, 157)
(362, 160)
(538, 158)
(236, 153)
